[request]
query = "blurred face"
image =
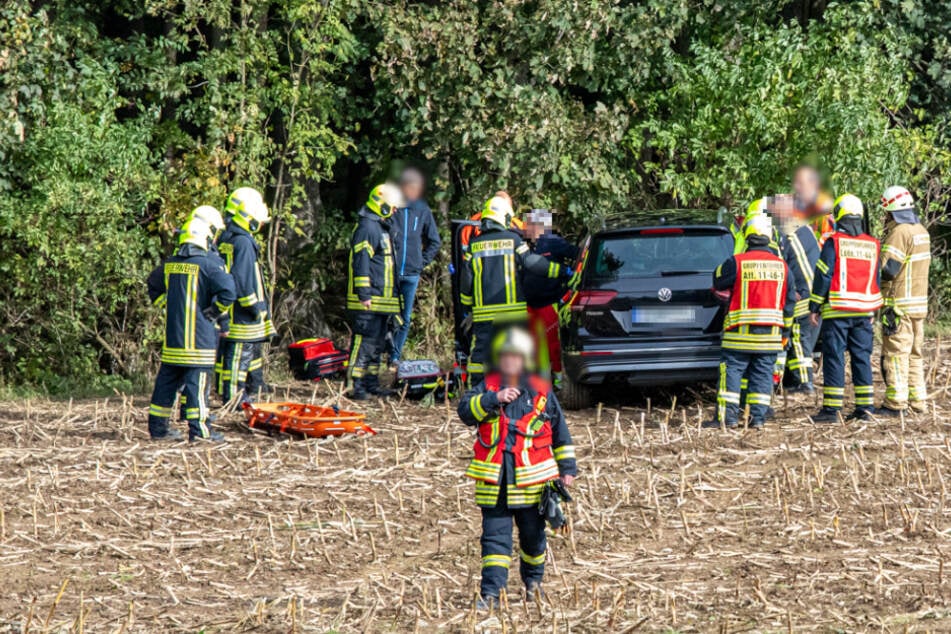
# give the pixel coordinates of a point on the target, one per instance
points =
(806, 184)
(782, 207)
(534, 230)
(511, 364)
(412, 190)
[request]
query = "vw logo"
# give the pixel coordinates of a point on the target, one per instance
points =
(664, 294)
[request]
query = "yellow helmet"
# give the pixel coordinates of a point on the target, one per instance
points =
(196, 232)
(759, 225)
(246, 208)
(847, 205)
(211, 216)
(385, 199)
(498, 209)
(756, 207)
(514, 340)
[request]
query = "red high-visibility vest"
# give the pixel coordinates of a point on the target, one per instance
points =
(534, 458)
(854, 285)
(759, 292)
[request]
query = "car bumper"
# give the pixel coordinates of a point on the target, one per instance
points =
(644, 365)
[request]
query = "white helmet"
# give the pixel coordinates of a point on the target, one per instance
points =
(847, 205)
(897, 198)
(514, 340)
(247, 209)
(196, 232)
(758, 225)
(210, 215)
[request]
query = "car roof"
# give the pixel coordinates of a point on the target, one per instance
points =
(626, 221)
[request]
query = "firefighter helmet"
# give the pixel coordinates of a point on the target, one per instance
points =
(514, 340)
(897, 198)
(385, 199)
(246, 208)
(755, 208)
(499, 210)
(847, 205)
(761, 225)
(211, 216)
(197, 232)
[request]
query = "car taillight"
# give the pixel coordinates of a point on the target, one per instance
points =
(671, 231)
(591, 299)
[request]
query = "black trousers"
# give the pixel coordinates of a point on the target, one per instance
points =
(480, 353)
(366, 344)
(193, 384)
(235, 361)
(497, 546)
(855, 336)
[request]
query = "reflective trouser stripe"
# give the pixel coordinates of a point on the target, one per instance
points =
(502, 561)
(532, 560)
(355, 372)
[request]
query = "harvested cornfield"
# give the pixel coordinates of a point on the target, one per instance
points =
(796, 528)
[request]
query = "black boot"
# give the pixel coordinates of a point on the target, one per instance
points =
(888, 412)
(862, 413)
(372, 384)
(358, 391)
(826, 415)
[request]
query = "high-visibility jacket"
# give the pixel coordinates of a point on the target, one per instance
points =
(761, 300)
(801, 252)
(191, 282)
(372, 267)
(468, 232)
(906, 259)
(250, 315)
(846, 276)
(522, 444)
(494, 266)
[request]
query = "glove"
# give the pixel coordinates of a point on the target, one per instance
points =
(549, 506)
(452, 269)
(262, 310)
(890, 317)
(567, 271)
(211, 313)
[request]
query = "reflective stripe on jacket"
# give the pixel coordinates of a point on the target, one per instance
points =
(852, 277)
(250, 316)
(372, 270)
(906, 260)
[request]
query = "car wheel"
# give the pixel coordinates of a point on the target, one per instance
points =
(574, 395)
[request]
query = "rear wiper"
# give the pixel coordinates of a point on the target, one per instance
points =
(680, 272)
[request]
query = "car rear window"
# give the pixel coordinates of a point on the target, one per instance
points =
(657, 254)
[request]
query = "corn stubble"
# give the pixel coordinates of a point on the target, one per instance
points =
(796, 528)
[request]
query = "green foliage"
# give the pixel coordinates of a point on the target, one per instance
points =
(120, 116)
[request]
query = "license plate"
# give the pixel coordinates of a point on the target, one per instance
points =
(662, 314)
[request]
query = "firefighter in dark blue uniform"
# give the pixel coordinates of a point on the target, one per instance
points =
(196, 291)
(846, 292)
(523, 445)
(760, 312)
(801, 252)
(241, 350)
(373, 298)
(492, 285)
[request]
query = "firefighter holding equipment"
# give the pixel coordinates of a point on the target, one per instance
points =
(523, 446)
(906, 258)
(372, 292)
(492, 279)
(197, 290)
(846, 292)
(240, 352)
(762, 301)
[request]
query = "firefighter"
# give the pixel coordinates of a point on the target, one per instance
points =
(372, 292)
(197, 291)
(468, 232)
(846, 291)
(491, 285)
(762, 301)
(523, 443)
(240, 352)
(737, 228)
(800, 249)
(906, 258)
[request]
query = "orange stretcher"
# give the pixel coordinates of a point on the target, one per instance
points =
(302, 420)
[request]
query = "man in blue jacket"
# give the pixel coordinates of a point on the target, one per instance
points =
(416, 239)
(196, 291)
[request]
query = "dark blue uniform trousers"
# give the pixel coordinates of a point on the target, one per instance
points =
(852, 334)
(234, 362)
(497, 545)
(757, 369)
(799, 364)
(193, 383)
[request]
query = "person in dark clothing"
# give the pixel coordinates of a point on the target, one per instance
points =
(416, 242)
(492, 282)
(523, 444)
(196, 291)
(372, 299)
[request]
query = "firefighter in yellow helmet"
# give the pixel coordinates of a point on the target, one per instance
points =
(240, 371)
(737, 229)
(372, 293)
(523, 448)
(845, 291)
(491, 284)
(762, 302)
(906, 258)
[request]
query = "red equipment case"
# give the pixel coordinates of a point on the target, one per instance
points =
(315, 359)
